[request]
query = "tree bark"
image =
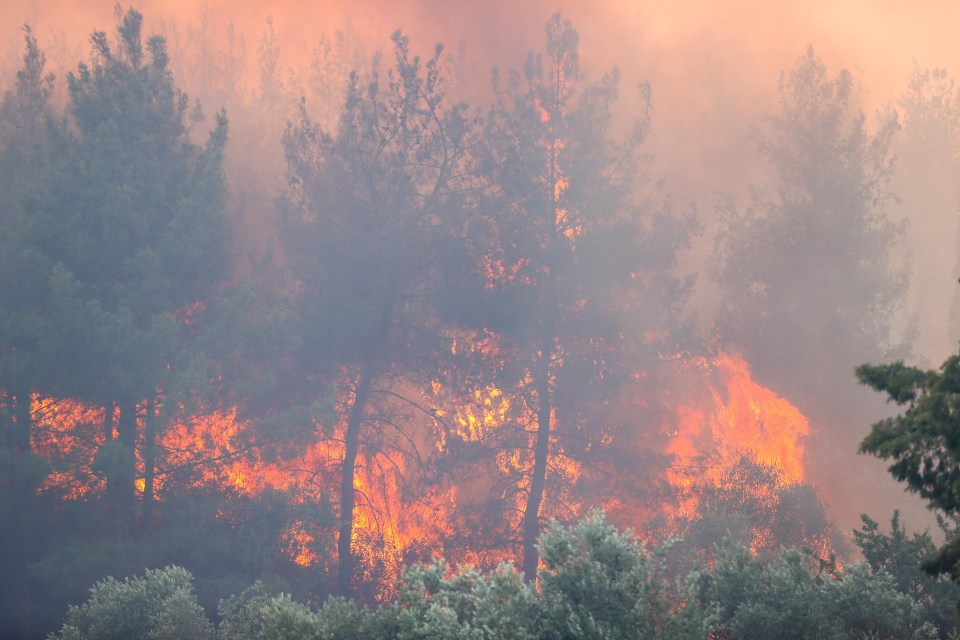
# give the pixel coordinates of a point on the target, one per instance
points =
(149, 465)
(347, 492)
(541, 454)
(125, 505)
(22, 422)
(548, 312)
(368, 371)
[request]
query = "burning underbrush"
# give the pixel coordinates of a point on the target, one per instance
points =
(451, 482)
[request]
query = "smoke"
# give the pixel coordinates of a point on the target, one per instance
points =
(713, 68)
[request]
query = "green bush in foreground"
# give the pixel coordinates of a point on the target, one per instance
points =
(595, 583)
(161, 605)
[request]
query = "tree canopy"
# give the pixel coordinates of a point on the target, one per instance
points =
(923, 442)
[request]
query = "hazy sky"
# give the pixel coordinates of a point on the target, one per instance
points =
(713, 64)
(694, 38)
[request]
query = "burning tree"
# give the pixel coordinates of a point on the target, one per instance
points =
(481, 294)
(580, 291)
(128, 232)
(371, 222)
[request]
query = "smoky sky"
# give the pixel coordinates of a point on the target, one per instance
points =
(713, 66)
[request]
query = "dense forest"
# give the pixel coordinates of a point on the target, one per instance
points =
(358, 350)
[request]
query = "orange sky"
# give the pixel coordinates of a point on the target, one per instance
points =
(713, 64)
(757, 36)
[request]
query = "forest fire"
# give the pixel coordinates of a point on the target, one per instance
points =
(381, 315)
(729, 416)
(67, 437)
(722, 416)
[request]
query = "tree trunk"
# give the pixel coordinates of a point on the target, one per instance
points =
(126, 471)
(112, 487)
(368, 371)
(541, 450)
(22, 422)
(18, 533)
(347, 493)
(541, 454)
(149, 465)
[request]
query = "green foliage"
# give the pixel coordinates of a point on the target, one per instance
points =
(160, 605)
(256, 615)
(901, 556)
(26, 353)
(598, 583)
(241, 616)
(923, 442)
(121, 228)
(436, 604)
(129, 225)
(24, 115)
(595, 582)
(789, 595)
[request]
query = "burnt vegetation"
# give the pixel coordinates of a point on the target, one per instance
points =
(261, 367)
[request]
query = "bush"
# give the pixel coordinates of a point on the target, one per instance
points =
(161, 605)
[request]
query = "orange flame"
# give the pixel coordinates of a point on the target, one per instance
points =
(723, 415)
(742, 417)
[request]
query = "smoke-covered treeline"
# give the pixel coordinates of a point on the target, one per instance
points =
(311, 325)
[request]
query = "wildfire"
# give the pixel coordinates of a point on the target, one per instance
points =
(68, 435)
(488, 410)
(738, 417)
(402, 514)
(298, 544)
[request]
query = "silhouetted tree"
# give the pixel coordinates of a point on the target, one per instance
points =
(371, 213)
(131, 229)
(581, 289)
(25, 348)
(24, 116)
(161, 604)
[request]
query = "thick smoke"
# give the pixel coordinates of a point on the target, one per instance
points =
(713, 68)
